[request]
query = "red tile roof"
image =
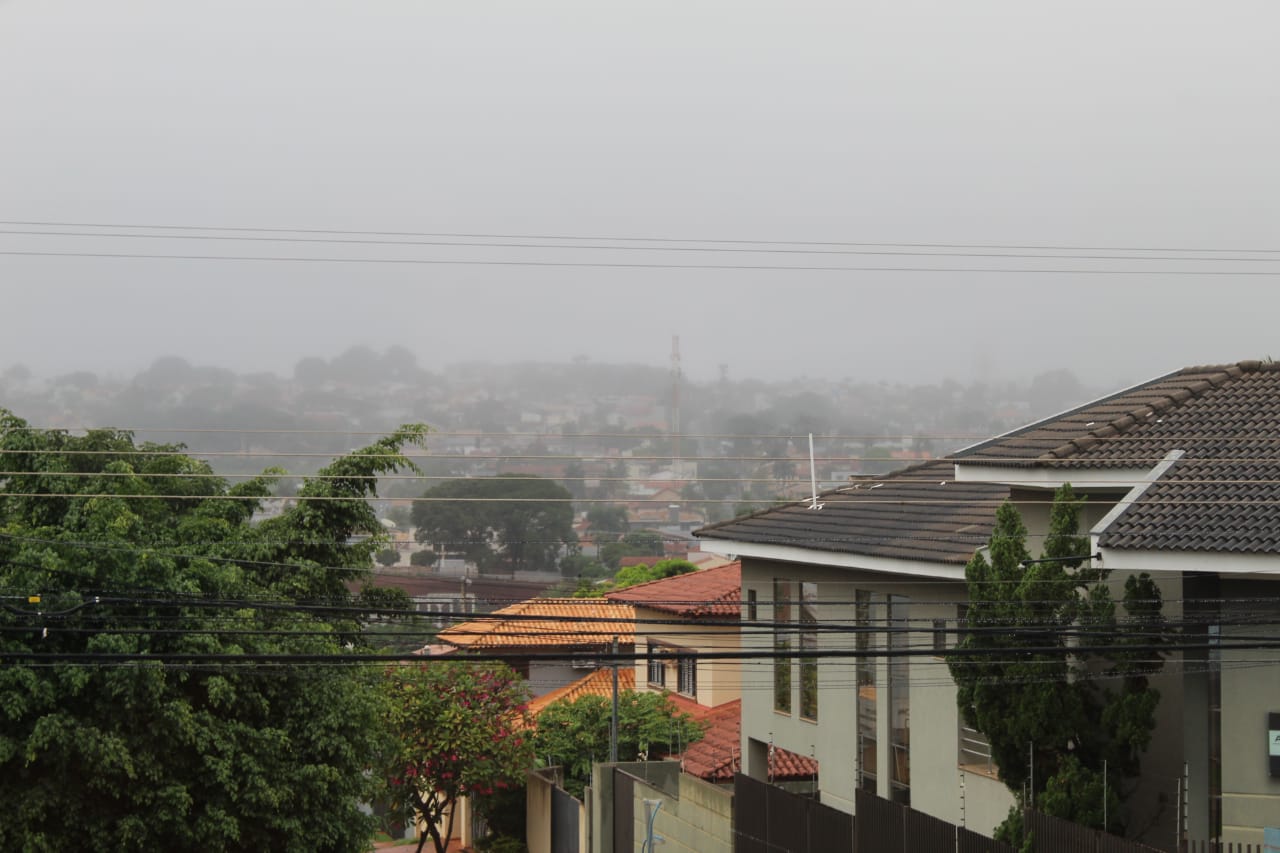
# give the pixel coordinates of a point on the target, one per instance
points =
(718, 755)
(547, 624)
(598, 683)
(715, 592)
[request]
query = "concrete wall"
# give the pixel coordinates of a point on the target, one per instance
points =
(545, 676)
(699, 819)
(718, 680)
(662, 775)
(537, 819)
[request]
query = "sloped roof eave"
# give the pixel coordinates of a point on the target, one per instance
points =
(941, 570)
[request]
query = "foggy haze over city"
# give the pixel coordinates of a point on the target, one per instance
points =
(1087, 126)
(859, 422)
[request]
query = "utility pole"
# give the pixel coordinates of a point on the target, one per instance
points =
(613, 721)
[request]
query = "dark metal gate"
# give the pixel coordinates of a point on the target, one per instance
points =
(564, 822)
(624, 812)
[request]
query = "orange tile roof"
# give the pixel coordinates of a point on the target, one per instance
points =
(598, 683)
(547, 624)
(715, 592)
(718, 755)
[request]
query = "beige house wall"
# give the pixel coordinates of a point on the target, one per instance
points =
(980, 803)
(976, 800)
(718, 681)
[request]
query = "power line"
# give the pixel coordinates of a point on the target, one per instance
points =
(641, 437)
(299, 259)
(636, 239)
(939, 252)
(608, 657)
(525, 478)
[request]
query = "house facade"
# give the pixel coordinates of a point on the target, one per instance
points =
(1179, 477)
(680, 618)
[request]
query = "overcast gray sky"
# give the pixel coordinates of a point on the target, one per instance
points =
(1095, 124)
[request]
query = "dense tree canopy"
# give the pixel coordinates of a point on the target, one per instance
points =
(608, 522)
(633, 575)
(506, 523)
(575, 734)
(118, 564)
(1064, 684)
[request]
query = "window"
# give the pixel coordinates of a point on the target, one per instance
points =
(782, 646)
(752, 606)
(657, 667)
(688, 682)
(864, 642)
(899, 701)
(808, 643)
(940, 637)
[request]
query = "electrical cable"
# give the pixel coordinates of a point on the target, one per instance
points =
(616, 247)
(301, 259)
(643, 238)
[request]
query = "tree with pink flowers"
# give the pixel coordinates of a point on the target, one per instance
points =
(459, 729)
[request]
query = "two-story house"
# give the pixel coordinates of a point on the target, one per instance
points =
(552, 642)
(1179, 474)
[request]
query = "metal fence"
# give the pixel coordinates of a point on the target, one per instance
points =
(767, 819)
(624, 812)
(565, 821)
(882, 825)
(1054, 835)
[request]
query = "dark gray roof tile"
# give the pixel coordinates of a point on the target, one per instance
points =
(918, 513)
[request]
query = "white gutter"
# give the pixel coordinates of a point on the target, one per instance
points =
(833, 559)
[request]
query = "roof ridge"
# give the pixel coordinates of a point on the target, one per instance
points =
(1170, 400)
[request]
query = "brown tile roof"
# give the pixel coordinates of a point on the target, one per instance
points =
(718, 755)
(917, 513)
(715, 592)
(1222, 495)
(547, 624)
(598, 683)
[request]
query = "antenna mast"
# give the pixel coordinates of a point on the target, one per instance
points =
(675, 403)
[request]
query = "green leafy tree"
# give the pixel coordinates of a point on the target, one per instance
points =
(574, 735)
(608, 522)
(1036, 689)
(424, 558)
(582, 567)
(458, 729)
(141, 558)
(506, 523)
(638, 543)
(632, 575)
(387, 557)
(575, 479)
